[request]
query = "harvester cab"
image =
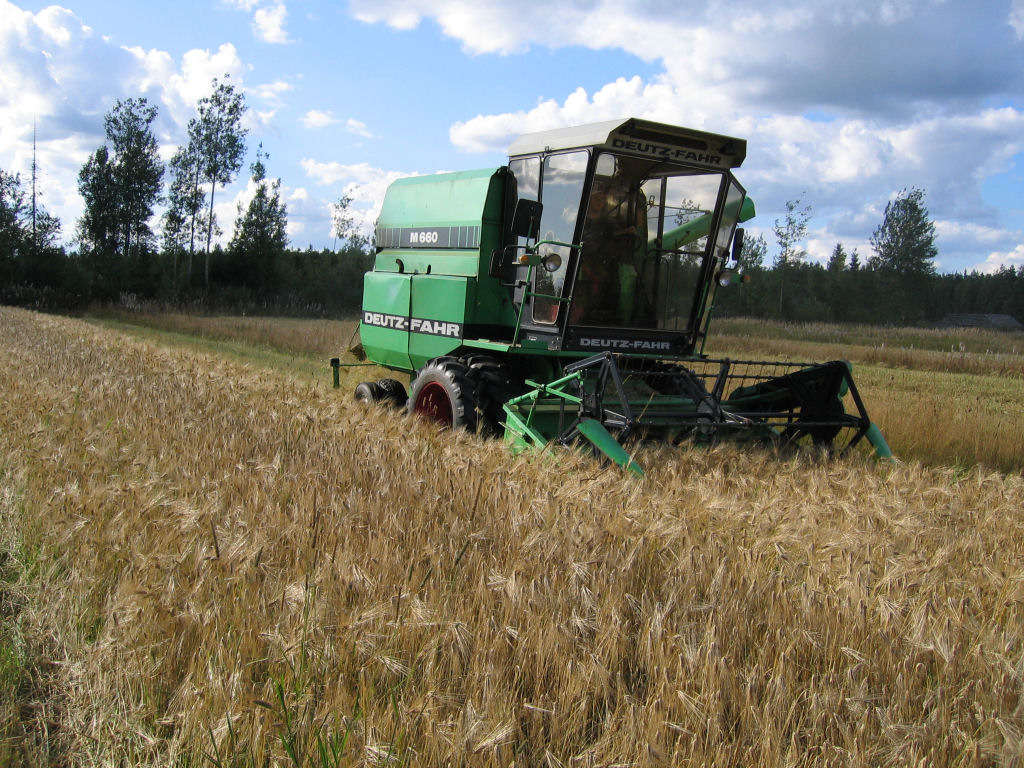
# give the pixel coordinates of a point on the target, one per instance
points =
(567, 296)
(636, 223)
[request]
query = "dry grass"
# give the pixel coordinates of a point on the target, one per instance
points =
(943, 397)
(947, 419)
(222, 565)
(963, 351)
(323, 339)
(958, 351)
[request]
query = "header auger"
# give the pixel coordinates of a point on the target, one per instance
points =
(567, 295)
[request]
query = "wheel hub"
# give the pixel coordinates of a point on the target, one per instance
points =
(433, 402)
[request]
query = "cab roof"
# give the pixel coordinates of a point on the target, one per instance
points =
(638, 137)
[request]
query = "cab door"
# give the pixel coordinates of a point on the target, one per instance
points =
(558, 181)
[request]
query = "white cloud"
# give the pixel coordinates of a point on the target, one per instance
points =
(365, 184)
(875, 57)
(309, 218)
(976, 233)
(268, 19)
(1016, 19)
(963, 243)
(335, 173)
(622, 98)
(315, 118)
(398, 15)
(184, 88)
(268, 24)
(271, 93)
(58, 73)
(153, 69)
(858, 150)
(260, 121)
(996, 260)
(358, 128)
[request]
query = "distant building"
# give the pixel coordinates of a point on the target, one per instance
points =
(991, 322)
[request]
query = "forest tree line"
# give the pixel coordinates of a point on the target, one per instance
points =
(896, 284)
(117, 257)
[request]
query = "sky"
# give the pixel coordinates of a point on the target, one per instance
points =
(844, 103)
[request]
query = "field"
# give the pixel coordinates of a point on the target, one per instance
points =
(208, 556)
(946, 398)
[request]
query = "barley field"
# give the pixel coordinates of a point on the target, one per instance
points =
(942, 397)
(210, 562)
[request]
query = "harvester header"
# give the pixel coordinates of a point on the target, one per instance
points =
(568, 294)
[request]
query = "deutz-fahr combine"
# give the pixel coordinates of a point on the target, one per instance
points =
(567, 296)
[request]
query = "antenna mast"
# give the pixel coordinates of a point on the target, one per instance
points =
(35, 240)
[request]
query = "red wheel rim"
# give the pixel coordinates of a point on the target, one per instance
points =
(433, 402)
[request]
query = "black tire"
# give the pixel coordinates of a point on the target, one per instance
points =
(392, 393)
(368, 392)
(492, 387)
(442, 392)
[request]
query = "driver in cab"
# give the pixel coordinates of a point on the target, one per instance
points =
(614, 242)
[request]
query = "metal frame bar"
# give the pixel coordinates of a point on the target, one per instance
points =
(777, 401)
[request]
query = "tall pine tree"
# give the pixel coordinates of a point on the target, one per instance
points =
(905, 240)
(904, 246)
(138, 171)
(13, 212)
(260, 240)
(120, 185)
(184, 223)
(790, 233)
(220, 142)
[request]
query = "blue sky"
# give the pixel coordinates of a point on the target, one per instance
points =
(843, 102)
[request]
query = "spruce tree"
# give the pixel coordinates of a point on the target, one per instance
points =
(905, 240)
(137, 171)
(837, 261)
(904, 246)
(261, 238)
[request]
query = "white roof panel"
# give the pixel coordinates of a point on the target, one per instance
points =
(639, 137)
(563, 138)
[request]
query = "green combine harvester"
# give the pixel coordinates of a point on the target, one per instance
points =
(566, 297)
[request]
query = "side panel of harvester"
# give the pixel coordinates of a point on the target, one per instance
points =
(429, 289)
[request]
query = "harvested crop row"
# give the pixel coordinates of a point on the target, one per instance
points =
(213, 560)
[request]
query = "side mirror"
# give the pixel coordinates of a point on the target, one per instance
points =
(526, 219)
(737, 246)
